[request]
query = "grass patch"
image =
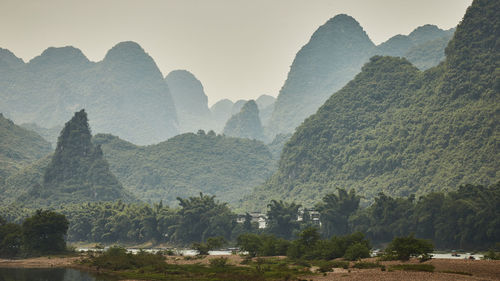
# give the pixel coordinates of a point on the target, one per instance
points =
(414, 267)
(457, 272)
(367, 265)
(147, 266)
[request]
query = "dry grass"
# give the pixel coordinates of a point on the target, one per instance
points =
(480, 270)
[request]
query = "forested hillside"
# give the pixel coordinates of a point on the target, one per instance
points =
(334, 55)
(77, 171)
(125, 92)
(188, 164)
(18, 148)
(398, 130)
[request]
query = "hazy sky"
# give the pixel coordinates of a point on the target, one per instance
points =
(239, 49)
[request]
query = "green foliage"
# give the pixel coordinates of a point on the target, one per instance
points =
(218, 262)
(413, 267)
(211, 244)
(44, 233)
(310, 247)
(367, 265)
(262, 245)
(18, 148)
(202, 217)
(336, 210)
(282, 218)
(357, 251)
(41, 234)
(396, 129)
(117, 258)
(77, 171)
(10, 239)
(188, 164)
(246, 123)
(402, 248)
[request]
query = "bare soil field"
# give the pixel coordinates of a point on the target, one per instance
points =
(445, 269)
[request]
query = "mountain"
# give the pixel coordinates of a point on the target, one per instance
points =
(398, 130)
(48, 134)
(246, 123)
(266, 107)
(125, 92)
(188, 164)
(423, 47)
(77, 171)
(190, 101)
(18, 147)
(221, 112)
(334, 55)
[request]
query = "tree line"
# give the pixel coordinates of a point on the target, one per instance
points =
(468, 218)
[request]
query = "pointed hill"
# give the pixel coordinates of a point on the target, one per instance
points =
(333, 55)
(125, 92)
(77, 171)
(221, 112)
(18, 147)
(397, 130)
(188, 164)
(190, 101)
(245, 124)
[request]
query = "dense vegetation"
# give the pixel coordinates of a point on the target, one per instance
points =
(398, 130)
(246, 123)
(41, 234)
(334, 55)
(125, 92)
(462, 219)
(188, 164)
(18, 148)
(77, 171)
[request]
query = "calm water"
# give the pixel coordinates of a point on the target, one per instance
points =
(48, 274)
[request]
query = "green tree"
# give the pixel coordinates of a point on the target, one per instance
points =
(202, 217)
(282, 218)
(335, 211)
(402, 248)
(10, 239)
(44, 233)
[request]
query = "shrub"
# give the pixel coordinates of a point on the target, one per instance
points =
(414, 267)
(366, 265)
(218, 262)
(357, 251)
(402, 248)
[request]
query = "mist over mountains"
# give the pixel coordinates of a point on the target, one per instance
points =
(397, 130)
(334, 55)
(347, 116)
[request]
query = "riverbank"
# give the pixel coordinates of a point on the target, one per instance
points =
(444, 269)
(41, 262)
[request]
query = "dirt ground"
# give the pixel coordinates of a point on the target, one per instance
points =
(480, 269)
(484, 270)
(41, 262)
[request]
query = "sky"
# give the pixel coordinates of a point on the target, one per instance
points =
(238, 49)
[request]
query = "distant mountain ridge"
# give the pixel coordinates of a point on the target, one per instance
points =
(246, 123)
(397, 130)
(190, 100)
(334, 55)
(125, 92)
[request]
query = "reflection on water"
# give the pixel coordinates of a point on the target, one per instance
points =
(48, 274)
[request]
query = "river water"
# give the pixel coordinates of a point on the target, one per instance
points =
(49, 274)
